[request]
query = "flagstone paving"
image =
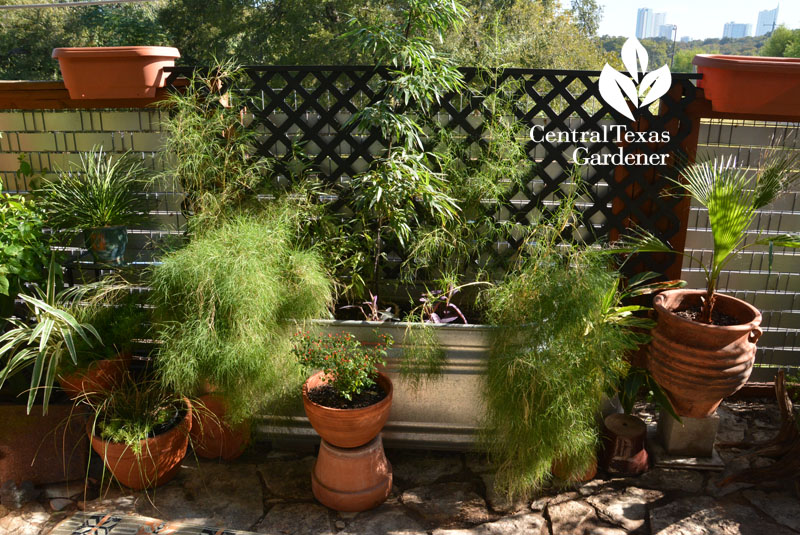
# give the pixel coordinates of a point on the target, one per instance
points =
(437, 493)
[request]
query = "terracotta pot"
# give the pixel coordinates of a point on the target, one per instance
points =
(114, 71)
(212, 437)
(347, 428)
(751, 85)
(624, 437)
(352, 479)
(160, 458)
(99, 376)
(561, 472)
(107, 244)
(696, 364)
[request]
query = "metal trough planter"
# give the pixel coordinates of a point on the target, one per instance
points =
(444, 414)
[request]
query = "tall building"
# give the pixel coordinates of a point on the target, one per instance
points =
(735, 30)
(767, 21)
(644, 23)
(665, 31)
(659, 19)
(685, 39)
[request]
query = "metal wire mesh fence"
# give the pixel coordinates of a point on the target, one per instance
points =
(770, 282)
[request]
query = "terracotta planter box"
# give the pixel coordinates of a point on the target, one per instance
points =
(114, 71)
(42, 449)
(751, 85)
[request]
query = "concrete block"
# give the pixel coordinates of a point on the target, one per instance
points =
(39, 142)
(147, 142)
(121, 121)
(12, 121)
(62, 121)
(84, 141)
(690, 436)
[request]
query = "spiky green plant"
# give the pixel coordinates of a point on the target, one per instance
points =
(101, 191)
(225, 307)
(556, 349)
(732, 195)
(209, 152)
(50, 337)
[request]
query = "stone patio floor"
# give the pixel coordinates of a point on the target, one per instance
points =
(443, 493)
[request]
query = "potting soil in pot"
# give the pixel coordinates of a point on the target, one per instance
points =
(326, 396)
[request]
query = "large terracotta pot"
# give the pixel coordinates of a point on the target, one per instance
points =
(696, 364)
(212, 437)
(160, 458)
(99, 376)
(751, 84)
(114, 71)
(352, 479)
(347, 428)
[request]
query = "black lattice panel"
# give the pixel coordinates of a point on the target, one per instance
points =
(310, 106)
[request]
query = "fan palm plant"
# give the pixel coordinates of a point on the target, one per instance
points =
(45, 341)
(732, 195)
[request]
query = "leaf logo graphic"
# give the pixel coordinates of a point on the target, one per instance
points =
(615, 86)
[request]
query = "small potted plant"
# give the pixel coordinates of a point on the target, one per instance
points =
(100, 368)
(100, 196)
(48, 339)
(141, 430)
(704, 344)
(347, 401)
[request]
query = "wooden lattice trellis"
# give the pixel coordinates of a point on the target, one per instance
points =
(312, 105)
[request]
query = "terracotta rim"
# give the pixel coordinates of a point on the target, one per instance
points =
(348, 428)
(153, 473)
(661, 308)
(116, 51)
(747, 63)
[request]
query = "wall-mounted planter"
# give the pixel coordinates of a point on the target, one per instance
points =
(751, 85)
(114, 71)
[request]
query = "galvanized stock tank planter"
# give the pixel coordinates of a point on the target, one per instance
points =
(698, 364)
(444, 414)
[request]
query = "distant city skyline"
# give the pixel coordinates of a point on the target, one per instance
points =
(698, 20)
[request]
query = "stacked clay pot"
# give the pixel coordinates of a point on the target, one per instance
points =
(351, 472)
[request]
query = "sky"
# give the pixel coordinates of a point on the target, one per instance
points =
(699, 19)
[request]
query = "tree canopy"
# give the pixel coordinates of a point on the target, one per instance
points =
(520, 33)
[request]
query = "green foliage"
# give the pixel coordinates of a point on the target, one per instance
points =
(28, 36)
(119, 318)
(24, 247)
(133, 411)
(209, 150)
(402, 184)
(521, 33)
(782, 42)
(349, 367)
(225, 307)
(423, 356)
(554, 354)
(50, 337)
(732, 195)
(101, 191)
(660, 50)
